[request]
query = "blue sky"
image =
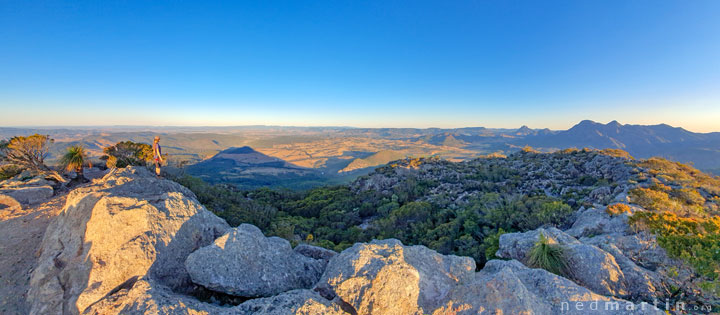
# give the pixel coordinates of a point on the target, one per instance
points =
(360, 63)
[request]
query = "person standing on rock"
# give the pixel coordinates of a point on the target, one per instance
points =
(157, 152)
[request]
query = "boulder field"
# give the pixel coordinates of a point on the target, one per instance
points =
(130, 243)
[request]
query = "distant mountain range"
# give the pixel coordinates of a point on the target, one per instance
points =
(674, 143)
(271, 155)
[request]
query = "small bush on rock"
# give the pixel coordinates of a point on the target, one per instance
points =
(617, 209)
(550, 256)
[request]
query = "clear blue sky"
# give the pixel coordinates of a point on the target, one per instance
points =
(360, 63)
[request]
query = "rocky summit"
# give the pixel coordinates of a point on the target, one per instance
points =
(130, 243)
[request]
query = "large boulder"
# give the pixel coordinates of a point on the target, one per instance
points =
(508, 287)
(127, 225)
(386, 277)
(594, 221)
(149, 297)
(244, 262)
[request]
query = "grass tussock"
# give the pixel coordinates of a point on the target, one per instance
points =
(549, 256)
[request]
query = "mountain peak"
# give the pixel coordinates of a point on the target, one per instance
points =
(587, 122)
(614, 123)
(524, 131)
(239, 150)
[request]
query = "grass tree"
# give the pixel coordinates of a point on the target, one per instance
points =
(75, 159)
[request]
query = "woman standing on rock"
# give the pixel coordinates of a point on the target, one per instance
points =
(157, 152)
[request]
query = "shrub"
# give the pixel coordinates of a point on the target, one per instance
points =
(548, 256)
(618, 208)
(9, 170)
(26, 152)
(688, 195)
(652, 199)
(617, 153)
(694, 240)
(492, 244)
(127, 153)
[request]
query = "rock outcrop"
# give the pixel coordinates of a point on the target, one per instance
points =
(27, 189)
(133, 244)
(508, 287)
(126, 225)
(385, 277)
(149, 297)
(244, 262)
(598, 266)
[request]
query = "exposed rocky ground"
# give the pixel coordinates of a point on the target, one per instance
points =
(130, 243)
(163, 242)
(21, 232)
(572, 174)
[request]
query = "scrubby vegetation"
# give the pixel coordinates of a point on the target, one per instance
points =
(617, 208)
(463, 208)
(458, 208)
(26, 152)
(696, 241)
(683, 212)
(127, 153)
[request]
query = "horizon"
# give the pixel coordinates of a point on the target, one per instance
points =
(338, 126)
(371, 65)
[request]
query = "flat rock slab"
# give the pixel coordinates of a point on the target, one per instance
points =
(29, 195)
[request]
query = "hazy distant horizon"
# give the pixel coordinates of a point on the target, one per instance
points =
(319, 126)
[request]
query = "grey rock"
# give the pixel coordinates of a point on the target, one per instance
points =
(150, 297)
(508, 287)
(315, 252)
(596, 270)
(596, 221)
(590, 266)
(146, 296)
(386, 277)
(28, 195)
(291, 302)
(94, 173)
(595, 263)
(641, 283)
(129, 224)
(244, 262)
(600, 194)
